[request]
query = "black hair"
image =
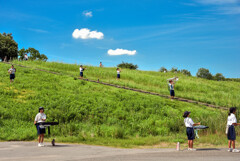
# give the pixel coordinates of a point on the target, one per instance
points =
(117, 68)
(40, 108)
(231, 110)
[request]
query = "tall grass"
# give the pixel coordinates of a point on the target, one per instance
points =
(221, 93)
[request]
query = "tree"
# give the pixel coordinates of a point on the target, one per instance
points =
(163, 69)
(204, 73)
(34, 54)
(174, 70)
(219, 77)
(127, 65)
(186, 72)
(8, 47)
(21, 53)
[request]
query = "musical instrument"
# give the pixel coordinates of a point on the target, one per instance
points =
(199, 127)
(48, 124)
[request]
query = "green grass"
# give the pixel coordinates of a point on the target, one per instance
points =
(220, 93)
(96, 114)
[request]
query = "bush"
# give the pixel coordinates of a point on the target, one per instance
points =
(127, 65)
(163, 69)
(219, 77)
(186, 72)
(204, 73)
(174, 70)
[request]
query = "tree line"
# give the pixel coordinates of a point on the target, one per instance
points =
(9, 50)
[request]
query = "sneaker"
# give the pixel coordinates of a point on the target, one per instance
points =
(230, 150)
(39, 144)
(189, 149)
(193, 149)
(42, 145)
(235, 151)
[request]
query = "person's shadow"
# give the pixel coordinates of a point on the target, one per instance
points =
(208, 149)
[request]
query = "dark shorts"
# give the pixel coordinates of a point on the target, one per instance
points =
(118, 75)
(81, 74)
(12, 76)
(40, 130)
(190, 133)
(231, 133)
(172, 93)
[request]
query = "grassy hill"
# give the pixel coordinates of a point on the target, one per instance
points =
(97, 114)
(221, 93)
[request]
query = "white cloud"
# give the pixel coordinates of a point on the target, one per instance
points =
(87, 13)
(218, 2)
(121, 52)
(85, 33)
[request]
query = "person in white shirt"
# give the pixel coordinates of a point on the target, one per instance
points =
(81, 71)
(12, 72)
(40, 117)
(118, 73)
(189, 129)
(171, 85)
(25, 57)
(231, 122)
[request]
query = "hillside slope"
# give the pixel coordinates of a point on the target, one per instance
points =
(93, 113)
(220, 93)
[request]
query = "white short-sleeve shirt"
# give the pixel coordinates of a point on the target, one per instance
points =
(118, 71)
(12, 70)
(40, 116)
(231, 119)
(81, 69)
(188, 122)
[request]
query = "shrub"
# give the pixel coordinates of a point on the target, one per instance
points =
(163, 69)
(219, 77)
(127, 65)
(186, 72)
(204, 73)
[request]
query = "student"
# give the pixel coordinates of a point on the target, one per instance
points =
(40, 117)
(12, 72)
(190, 131)
(100, 65)
(231, 135)
(25, 57)
(118, 73)
(171, 86)
(81, 71)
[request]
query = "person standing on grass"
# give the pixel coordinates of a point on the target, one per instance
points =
(100, 65)
(12, 72)
(190, 131)
(171, 86)
(40, 117)
(231, 135)
(81, 71)
(118, 73)
(26, 57)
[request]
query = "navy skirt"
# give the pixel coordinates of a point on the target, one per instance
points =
(40, 130)
(118, 75)
(231, 133)
(12, 76)
(81, 74)
(172, 93)
(190, 133)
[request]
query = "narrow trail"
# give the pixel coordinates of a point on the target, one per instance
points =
(127, 88)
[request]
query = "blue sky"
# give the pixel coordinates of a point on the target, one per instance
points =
(187, 34)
